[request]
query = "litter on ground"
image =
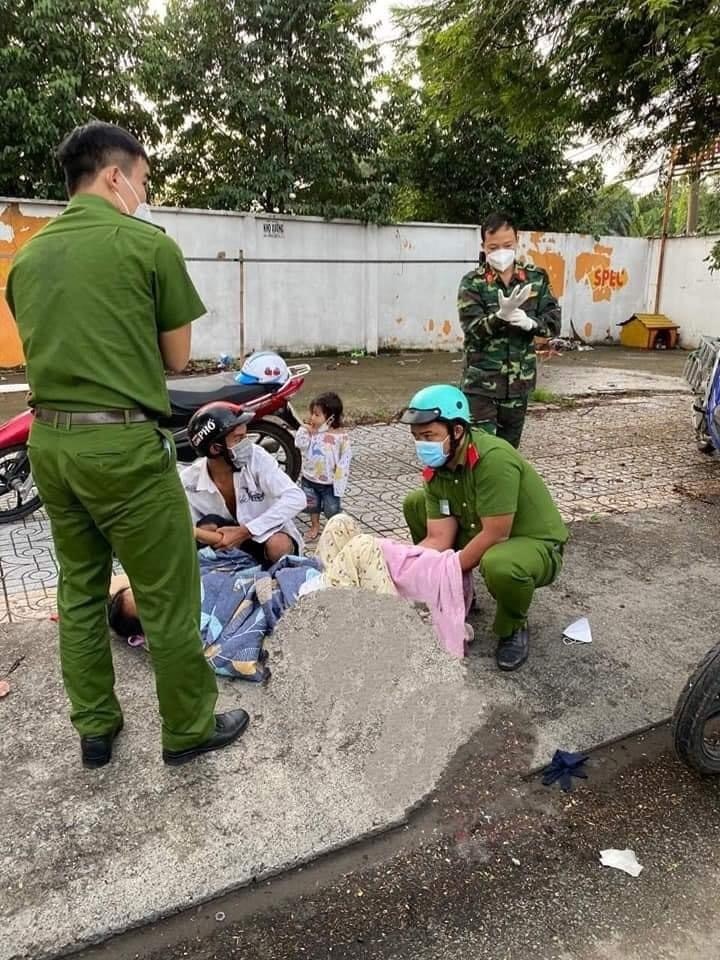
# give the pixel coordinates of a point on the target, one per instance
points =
(578, 632)
(624, 860)
(563, 767)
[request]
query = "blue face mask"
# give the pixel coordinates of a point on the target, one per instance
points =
(431, 453)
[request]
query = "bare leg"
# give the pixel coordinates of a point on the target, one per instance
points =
(314, 531)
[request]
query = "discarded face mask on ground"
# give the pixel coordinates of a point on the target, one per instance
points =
(577, 632)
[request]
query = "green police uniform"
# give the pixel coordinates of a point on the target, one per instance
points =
(500, 366)
(91, 293)
(488, 478)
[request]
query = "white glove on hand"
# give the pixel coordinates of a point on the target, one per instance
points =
(508, 305)
(520, 319)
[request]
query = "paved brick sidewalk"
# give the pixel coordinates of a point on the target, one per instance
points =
(609, 458)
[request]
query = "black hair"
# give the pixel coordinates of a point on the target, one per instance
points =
(496, 221)
(331, 405)
(455, 441)
(120, 623)
(90, 148)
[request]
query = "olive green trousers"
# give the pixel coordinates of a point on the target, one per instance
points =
(114, 489)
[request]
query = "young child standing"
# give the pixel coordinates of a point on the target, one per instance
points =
(325, 446)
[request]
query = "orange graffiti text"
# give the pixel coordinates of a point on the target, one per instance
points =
(596, 270)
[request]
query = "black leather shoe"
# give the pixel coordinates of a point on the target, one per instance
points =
(512, 651)
(228, 727)
(97, 751)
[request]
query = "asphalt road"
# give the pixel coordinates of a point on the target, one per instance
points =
(491, 867)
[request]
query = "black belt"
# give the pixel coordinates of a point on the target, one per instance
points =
(66, 418)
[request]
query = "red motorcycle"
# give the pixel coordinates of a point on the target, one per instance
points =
(273, 426)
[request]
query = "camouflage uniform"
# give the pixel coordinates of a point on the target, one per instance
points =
(500, 367)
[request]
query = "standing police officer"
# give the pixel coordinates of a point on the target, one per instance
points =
(102, 301)
(503, 306)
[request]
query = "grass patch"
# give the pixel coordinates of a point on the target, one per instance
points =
(540, 395)
(365, 418)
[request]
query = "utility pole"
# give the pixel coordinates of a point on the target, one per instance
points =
(691, 224)
(664, 230)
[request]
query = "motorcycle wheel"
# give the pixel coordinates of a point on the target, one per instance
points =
(702, 441)
(696, 721)
(279, 443)
(16, 504)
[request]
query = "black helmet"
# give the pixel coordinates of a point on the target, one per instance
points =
(213, 422)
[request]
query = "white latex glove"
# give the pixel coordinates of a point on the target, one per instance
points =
(520, 319)
(508, 305)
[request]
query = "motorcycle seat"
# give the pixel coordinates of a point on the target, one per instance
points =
(187, 394)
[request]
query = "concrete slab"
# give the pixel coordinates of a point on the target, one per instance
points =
(380, 386)
(356, 727)
(353, 730)
(568, 380)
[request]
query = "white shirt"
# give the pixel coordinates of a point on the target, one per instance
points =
(266, 499)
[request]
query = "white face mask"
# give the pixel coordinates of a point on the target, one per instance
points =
(142, 210)
(241, 452)
(500, 260)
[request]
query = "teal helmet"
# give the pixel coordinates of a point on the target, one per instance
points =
(439, 402)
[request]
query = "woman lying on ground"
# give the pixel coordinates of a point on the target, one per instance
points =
(351, 558)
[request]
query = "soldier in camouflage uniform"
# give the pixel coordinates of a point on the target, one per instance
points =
(503, 306)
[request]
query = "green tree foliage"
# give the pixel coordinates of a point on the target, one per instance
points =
(713, 258)
(267, 106)
(63, 62)
(649, 214)
(648, 68)
(459, 169)
(613, 212)
(709, 206)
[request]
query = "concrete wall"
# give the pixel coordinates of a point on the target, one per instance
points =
(18, 224)
(306, 284)
(689, 293)
(599, 283)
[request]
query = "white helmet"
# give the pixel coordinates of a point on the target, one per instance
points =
(264, 367)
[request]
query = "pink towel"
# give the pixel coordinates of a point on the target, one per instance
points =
(433, 578)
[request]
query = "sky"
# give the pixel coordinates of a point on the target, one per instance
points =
(380, 14)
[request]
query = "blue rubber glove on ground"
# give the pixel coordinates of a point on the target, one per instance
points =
(563, 767)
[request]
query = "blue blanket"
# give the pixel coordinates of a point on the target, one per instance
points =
(240, 606)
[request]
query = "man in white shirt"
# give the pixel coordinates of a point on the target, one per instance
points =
(239, 489)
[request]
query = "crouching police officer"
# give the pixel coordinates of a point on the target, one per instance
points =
(482, 498)
(102, 301)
